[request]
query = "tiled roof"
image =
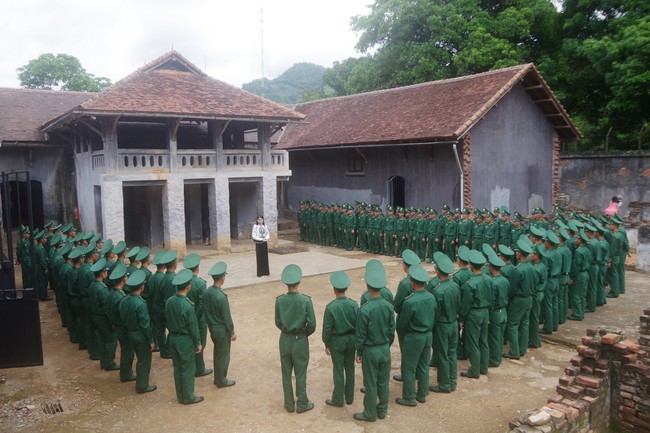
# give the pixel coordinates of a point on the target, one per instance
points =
(23, 111)
(172, 86)
(428, 112)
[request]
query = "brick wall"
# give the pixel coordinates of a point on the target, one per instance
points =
(467, 171)
(605, 388)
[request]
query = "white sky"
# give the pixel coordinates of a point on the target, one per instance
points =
(112, 38)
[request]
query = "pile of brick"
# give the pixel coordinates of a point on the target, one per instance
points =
(606, 385)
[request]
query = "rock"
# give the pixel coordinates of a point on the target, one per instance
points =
(30, 407)
(539, 418)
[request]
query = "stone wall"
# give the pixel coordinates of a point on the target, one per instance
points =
(605, 388)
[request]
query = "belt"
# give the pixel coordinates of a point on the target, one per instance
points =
(298, 336)
(178, 333)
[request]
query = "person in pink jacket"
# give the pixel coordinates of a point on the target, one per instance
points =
(614, 205)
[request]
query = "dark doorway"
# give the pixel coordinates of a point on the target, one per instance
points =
(243, 208)
(197, 214)
(98, 209)
(143, 221)
(396, 191)
(17, 192)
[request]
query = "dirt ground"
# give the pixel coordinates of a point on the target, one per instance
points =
(92, 399)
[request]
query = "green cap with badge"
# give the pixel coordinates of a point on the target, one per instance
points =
(540, 250)
(495, 261)
(505, 251)
(191, 261)
(143, 254)
(136, 279)
(182, 279)
(218, 268)
(169, 257)
(443, 263)
(99, 266)
(119, 248)
(119, 272)
(107, 247)
(75, 253)
(133, 252)
(417, 273)
(340, 280)
(583, 236)
(476, 258)
(536, 231)
(157, 258)
(523, 245)
(90, 249)
(463, 253)
(487, 249)
(410, 258)
(291, 274)
(375, 278)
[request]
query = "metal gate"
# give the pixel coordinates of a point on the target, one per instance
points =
(20, 323)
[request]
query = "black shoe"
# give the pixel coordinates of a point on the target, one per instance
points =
(405, 402)
(165, 356)
(49, 298)
(331, 403)
(363, 390)
(196, 400)
(361, 417)
(397, 378)
(590, 311)
(128, 379)
(507, 356)
(148, 389)
(227, 384)
(112, 367)
(440, 390)
(421, 399)
(205, 372)
(467, 375)
(546, 332)
(461, 358)
(574, 318)
(289, 409)
(307, 408)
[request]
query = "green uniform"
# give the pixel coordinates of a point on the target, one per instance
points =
(88, 328)
(77, 334)
(498, 319)
(401, 231)
(384, 292)
(116, 297)
(505, 233)
(339, 321)
(580, 275)
(374, 333)
(153, 287)
(563, 293)
(625, 248)
(541, 277)
(294, 316)
(134, 315)
(550, 313)
(415, 322)
(478, 232)
(602, 270)
(433, 233)
(460, 277)
(420, 239)
(41, 266)
(363, 225)
(522, 288)
(184, 338)
(465, 227)
(196, 296)
(613, 273)
(477, 297)
(592, 288)
(389, 234)
(449, 239)
(445, 333)
(217, 317)
(491, 234)
(97, 307)
(165, 291)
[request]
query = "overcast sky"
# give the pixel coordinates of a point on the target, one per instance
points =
(112, 38)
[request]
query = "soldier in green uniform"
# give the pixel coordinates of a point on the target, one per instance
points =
(374, 334)
(294, 316)
(350, 229)
(97, 307)
(220, 324)
(434, 235)
(415, 322)
(389, 231)
(374, 265)
(445, 331)
(605, 256)
(165, 291)
(505, 228)
(115, 297)
(491, 233)
(579, 281)
(404, 290)
(594, 248)
(135, 319)
(522, 287)
(401, 228)
(539, 294)
(498, 314)
(566, 256)
(616, 247)
(449, 237)
(131, 256)
(153, 286)
(362, 222)
(86, 278)
(550, 313)
(195, 295)
(77, 334)
(339, 321)
(462, 275)
(300, 217)
(41, 264)
(465, 226)
(420, 236)
(329, 226)
(184, 338)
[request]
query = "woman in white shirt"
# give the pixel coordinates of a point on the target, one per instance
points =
(261, 236)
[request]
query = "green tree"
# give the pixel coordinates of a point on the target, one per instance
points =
(59, 72)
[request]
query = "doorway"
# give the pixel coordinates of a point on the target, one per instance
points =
(395, 186)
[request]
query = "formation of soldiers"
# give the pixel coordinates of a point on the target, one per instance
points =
(105, 295)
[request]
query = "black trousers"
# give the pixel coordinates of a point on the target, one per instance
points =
(262, 255)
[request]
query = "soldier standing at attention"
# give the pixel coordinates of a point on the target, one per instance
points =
(219, 322)
(165, 291)
(192, 262)
(135, 317)
(374, 334)
(115, 298)
(498, 314)
(389, 230)
(581, 263)
(416, 324)
(294, 316)
(404, 290)
(520, 302)
(339, 323)
(541, 281)
(152, 288)
(184, 339)
(98, 295)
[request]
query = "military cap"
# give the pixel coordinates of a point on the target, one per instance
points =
(487, 249)
(571, 224)
(136, 279)
(526, 239)
(463, 253)
(552, 237)
(616, 218)
(143, 254)
(55, 240)
(390, 208)
(374, 264)
(614, 222)
(600, 227)
(119, 247)
(291, 274)
(561, 224)
(90, 249)
(340, 280)
(169, 257)
(540, 210)
(87, 236)
(590, 228)
(505, 251)
(66, 228)
(476, 258)
(39, 235)
(97, 238)
(504, 212)
(49, 224)
(443, 263)
(417, 273)
(75, 253)
(518, 216)
(99, 266)
(182, 278)
(540, 250)
(133, 252)
(65, 250)
(157, 258)
(191, 261)
(536, 231)
(410, 258)
(107, 247)
(466, 211)
(524, 247)
(583, 236)
(119, 272)
(564, 234)
(218, 268)
(433, 211)
(495, 261)
(558, 209)
(57, 227)
(445, 207)
(375, 278)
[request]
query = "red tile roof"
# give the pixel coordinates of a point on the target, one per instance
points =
(172, 86)
(428, 112)
(23, 111)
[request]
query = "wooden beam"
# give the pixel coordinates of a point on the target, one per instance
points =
(537, 86)
(362, 155)
(173, 125)
(91, 127)
(63, 137)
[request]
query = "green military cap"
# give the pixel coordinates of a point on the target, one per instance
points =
(49, 224)
(466, 211)
(191, 261)
(76, 253)
(444, 263)
(97, 237)
(65, 250)
(600, 227)
(616, 218)
(540, 250)
(561, 224)
(583, 236)
(291, 274)
(55, 240)
(476, 258)
(536, 231)
(571, 224)
(417, 273)
(603, 218)
(485, 211)
(505, 212)
(375, 278)
(552, 237)
(558, 209)
(23, 230)
(433, 211)
(495, 261)
(157, 258)
(57, 227)
(119, 272)
(487, 249)
(445, 206)
(590, 228)
(99, 266)
(169, 257)
(463, 253)
(540, 210)
(524, 246)
(390, 208)
(39, 235)
(66, 228)
(143, 254)
(518, 216)
(136, 279)
(564, 234)
(218, 268)
(504, 250)
(410, 258)
(107, 247)
(526, 239)
(119, 247)
(374, 264)
(91, 249)
(133, 252)
(614, 222)
(340, 280)
(182, 278)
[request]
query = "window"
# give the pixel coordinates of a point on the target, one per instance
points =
(355, 163)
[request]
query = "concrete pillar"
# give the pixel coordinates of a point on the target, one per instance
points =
(219, 200)
(264, 144)
(216, 133)
(109, 138)
(173, 201)
(269, 201)
(643, 249)
(113, 210)
(172, 128)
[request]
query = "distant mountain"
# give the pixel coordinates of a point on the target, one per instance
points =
(301, 82)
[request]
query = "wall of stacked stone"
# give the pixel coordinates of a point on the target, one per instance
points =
(606, 387)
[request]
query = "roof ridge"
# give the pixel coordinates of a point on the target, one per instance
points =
(22, 89)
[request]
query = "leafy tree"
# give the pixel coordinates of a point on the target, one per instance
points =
(62, 72)
(302, 81)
